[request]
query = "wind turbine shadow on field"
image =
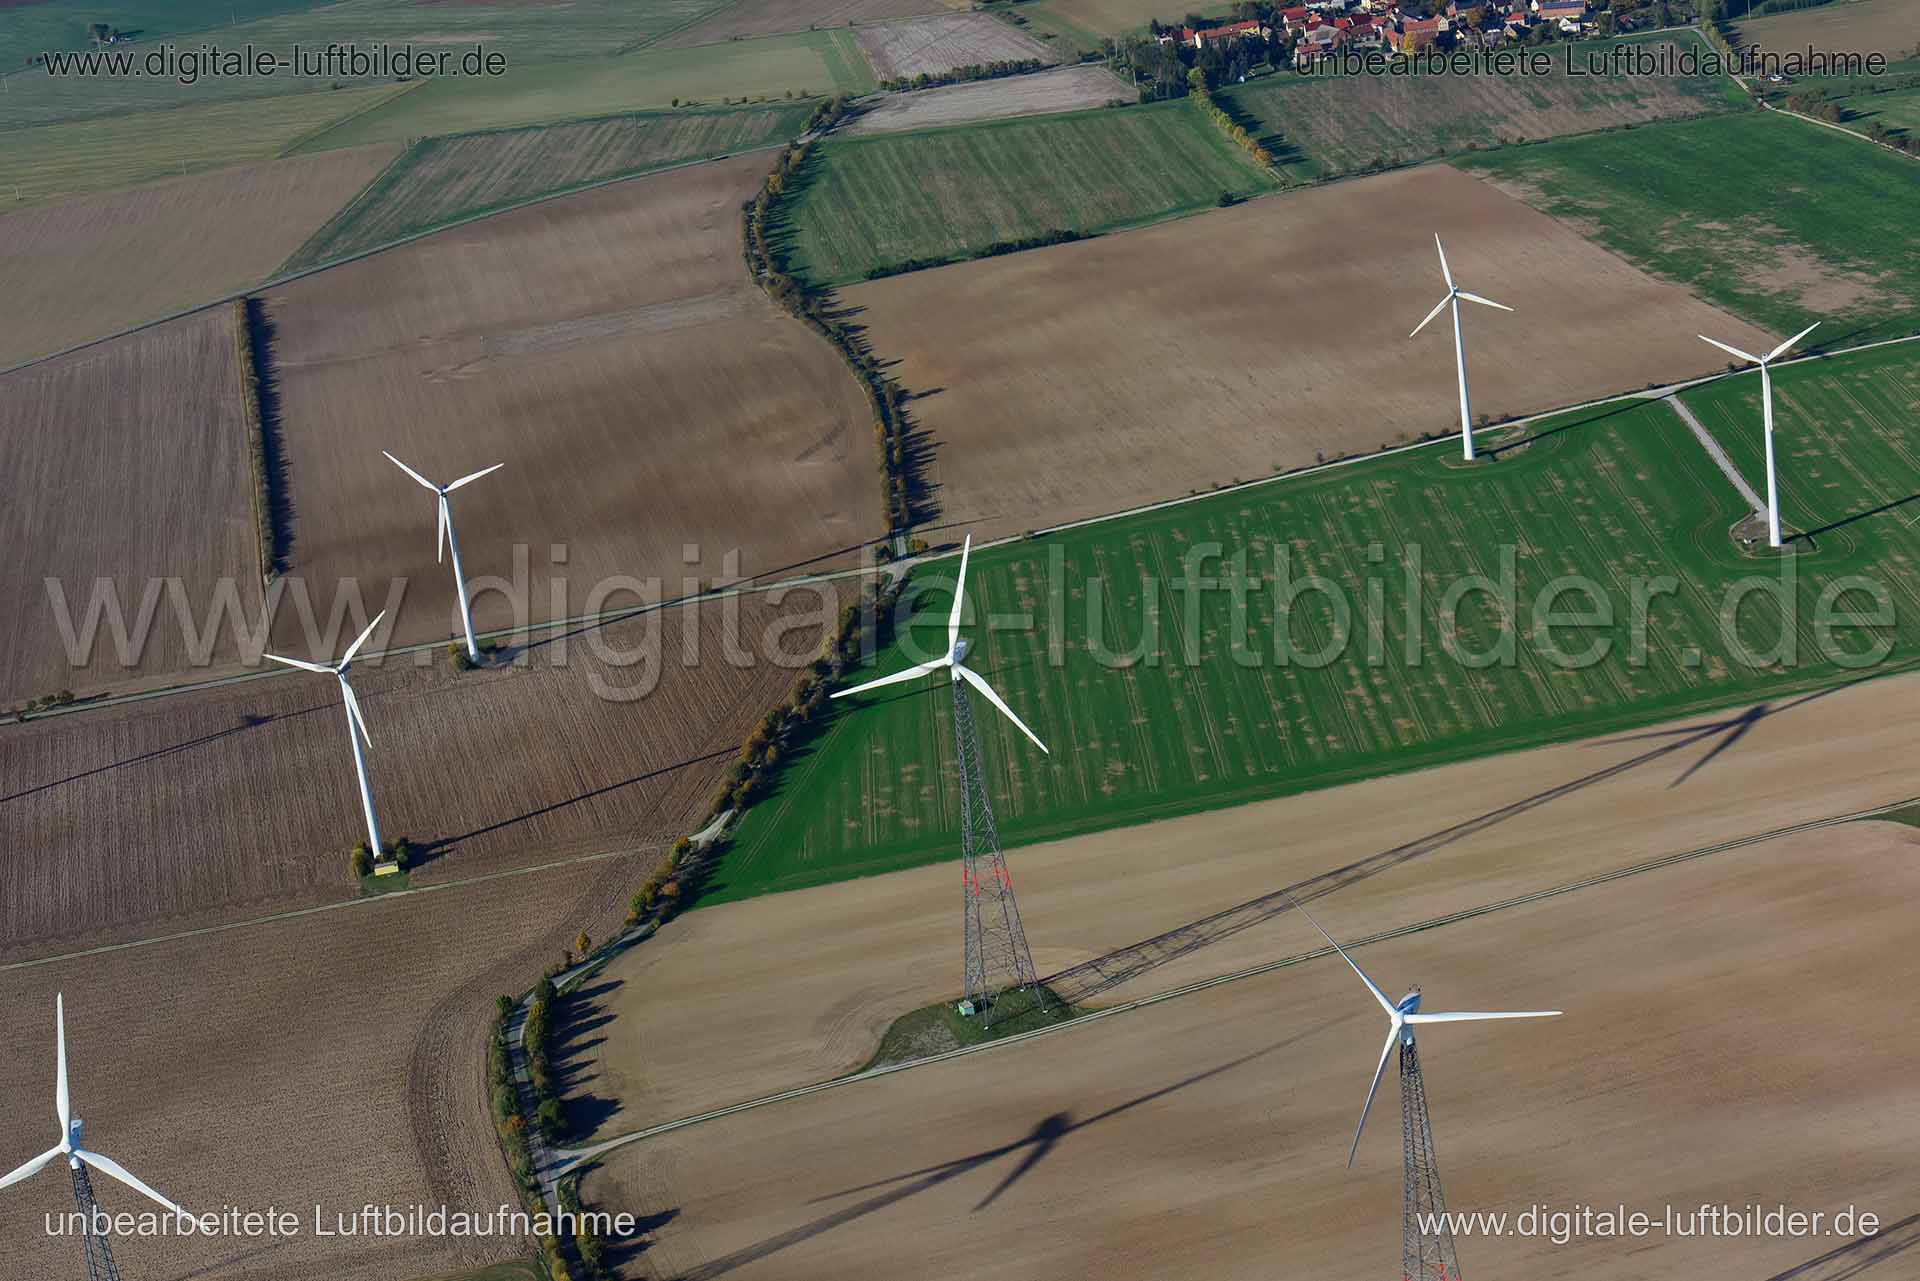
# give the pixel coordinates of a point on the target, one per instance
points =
(1859, 1257)
(1080, 983)
(1036, 1145)
(1600, 415)
(251, 720)
(434, 849)
(1812, 534)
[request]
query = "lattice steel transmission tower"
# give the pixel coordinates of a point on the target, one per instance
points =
(998, 959)
(1426, 1255)
(100, 1265)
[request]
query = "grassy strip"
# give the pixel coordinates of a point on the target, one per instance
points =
(941, 1028)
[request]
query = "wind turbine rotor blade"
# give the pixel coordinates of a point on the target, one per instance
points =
(1393, 1034)
(1779, 351)
(113, 1169)
(1378, 995)
(1437, 309)
(1443, 261)
(30, 1169)
(61, 1104)
(353, 711)
(973, 678)
(466, 480)
(411, 472)
(918, 669)
(1484, 302)
(294, 662)
(440, 536)
(1471, 1017)
(1731, 351)
(355, 647)
(959, 597)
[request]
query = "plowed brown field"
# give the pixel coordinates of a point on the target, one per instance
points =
(81, 269)
(1082, 379)
(653, 409)
(1726, 1041)
(196, 808)
(334, 1059)
(128, 465)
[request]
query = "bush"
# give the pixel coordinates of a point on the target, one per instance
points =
(362, 860)
(457, 656)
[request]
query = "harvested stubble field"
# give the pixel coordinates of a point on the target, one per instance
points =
(199, 808)
(442, 180)
(1077, 26)
(1843, 441)
(1256, 339)
(1062, 89)
(881, 201)
(334, 1059)
(1318, 126)
(1162, 698)
(1827, 235)
(745, 19)
(1891, 27)
(59, 162)
(1706, 1053)
(82, 269)
(128, 464)
(935, 45)
(655, 413)
(810, 980)
(805, 64)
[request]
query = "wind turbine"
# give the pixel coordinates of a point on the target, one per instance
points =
(355, 722)
(995, 942)
(1766, 404)
(99, 1254)
(446, 542)
(1401, 1021)
(1454, 294)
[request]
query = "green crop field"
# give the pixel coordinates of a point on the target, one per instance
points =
(528, 36)
(877, 201)
(1897, 110)
(1076, 26)
(1156, 682)
(56, 161)
(807, 63)
(1846, 442)
(442, 180)
(1323, 125)
(1705, 203)
(27, 29)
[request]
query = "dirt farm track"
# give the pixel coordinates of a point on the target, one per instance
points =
(1082, 379)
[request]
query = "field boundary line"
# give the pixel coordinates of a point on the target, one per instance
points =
(1837, 128)
(573, 1159)
(1716, 453)
(292, 914)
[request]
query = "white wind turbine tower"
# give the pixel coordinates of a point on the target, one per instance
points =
(1766, 404)
(356, 723)
(1401, 1021)
(99, 1255)
(997, 956)
(446, 542)
(1454, 294)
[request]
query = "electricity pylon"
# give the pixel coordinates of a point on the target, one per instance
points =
(1427, 1247)
(997, 957)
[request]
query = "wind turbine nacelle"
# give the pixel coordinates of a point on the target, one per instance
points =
(959, 655)
(73, 1134)
(1410, 1003)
